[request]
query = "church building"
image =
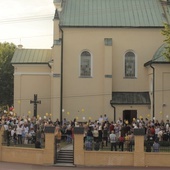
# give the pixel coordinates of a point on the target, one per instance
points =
(106, 58)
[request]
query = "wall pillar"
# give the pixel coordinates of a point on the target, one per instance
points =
(139, 153)
(49, 151)
(78, 146)
(107, 86)
(56, 79)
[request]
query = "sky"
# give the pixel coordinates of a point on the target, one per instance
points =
(27, 22)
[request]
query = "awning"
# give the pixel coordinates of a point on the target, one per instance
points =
(130, 98)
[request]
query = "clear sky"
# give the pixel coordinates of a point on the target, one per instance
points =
(27, 22)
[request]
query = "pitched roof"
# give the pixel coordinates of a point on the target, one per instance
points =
(112, 13)
(33, 56)
(159, 57)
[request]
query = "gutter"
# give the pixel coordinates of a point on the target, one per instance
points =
(153, 95)
(61, 82)
(114, 108)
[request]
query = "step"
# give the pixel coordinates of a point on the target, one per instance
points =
(65, 156)
(62, 150)
(64, 161)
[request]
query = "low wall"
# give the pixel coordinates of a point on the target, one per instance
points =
(24, 155)
(138, 158)
(30, 155)
(157, 159)
(108, 158)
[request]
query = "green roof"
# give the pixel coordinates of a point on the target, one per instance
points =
(112, 13)
(159, 57)
(27, 56)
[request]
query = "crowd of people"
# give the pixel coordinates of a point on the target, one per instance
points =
(118, 134)
(19, 130)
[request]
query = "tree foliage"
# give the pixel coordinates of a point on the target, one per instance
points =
(166, 33)
(6, 73)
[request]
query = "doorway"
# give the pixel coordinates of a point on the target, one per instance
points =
(128, 115)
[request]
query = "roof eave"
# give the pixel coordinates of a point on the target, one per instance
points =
(87, 26)
(28, 63)
(156, 62)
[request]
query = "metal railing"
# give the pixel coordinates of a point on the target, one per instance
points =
(90, 144)
(30, 141)
(164, 146)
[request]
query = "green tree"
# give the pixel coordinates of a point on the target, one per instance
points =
(6, 73)
(166, 33)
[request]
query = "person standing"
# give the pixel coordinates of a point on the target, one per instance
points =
(58, 135)
(113, 140)
(156, 146)
(121, 142)
(100, 132)
(95, 134)
(101, 119)
(69, 134)
(105, 135)
(19, 133)
(105, 118)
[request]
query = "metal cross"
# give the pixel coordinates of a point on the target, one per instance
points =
(35, 102)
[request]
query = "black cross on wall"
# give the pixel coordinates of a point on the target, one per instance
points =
(35, 102)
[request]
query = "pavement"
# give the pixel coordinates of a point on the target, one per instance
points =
(17, 166)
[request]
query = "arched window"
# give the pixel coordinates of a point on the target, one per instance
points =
(130, 65)
(85, 64)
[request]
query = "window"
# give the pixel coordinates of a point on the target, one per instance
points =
(85, 64)
(130, 65)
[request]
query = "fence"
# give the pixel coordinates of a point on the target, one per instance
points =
(103, 146)
(164, 146)
(28, 140)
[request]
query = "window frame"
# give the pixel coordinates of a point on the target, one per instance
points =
(80, 65)
(135, 65)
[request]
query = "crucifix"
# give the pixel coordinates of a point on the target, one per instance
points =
(35, 102)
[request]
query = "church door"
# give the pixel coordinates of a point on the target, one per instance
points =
(128, 115)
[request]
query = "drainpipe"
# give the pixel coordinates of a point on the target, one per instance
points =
(114, 108)
(153, 95)
(61, 82)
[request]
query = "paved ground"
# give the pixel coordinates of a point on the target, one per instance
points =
(16, 166)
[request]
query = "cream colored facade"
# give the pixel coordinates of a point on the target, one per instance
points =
(64, 93)
(30, 80)
(94, 94)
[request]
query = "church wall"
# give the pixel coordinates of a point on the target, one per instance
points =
(28, 81)
(88, 93)
(144, 43)
(162, 91)
(56, 82)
